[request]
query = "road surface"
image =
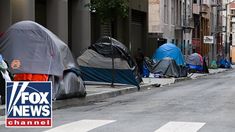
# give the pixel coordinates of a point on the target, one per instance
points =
(202, 105)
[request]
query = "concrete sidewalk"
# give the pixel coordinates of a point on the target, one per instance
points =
(100, 92)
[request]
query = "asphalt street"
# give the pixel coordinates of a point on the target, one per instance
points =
(204, 105)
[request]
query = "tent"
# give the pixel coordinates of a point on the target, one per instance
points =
(195, 62)
(213, 65)
(166, 67)
(169, 50)
(108, 61)
(30, 48)
(224, 63)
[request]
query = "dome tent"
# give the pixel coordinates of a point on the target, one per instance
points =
(195, 62)
(167, 67)
(97, 65)
(169, 50)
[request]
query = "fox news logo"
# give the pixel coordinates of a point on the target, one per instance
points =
(28, 104)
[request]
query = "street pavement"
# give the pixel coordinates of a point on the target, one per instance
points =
(204, 105)
(101, 92)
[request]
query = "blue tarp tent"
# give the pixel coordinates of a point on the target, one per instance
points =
(195, 62)
(224, 63)
(169, 50)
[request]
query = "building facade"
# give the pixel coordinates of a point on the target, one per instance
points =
(73, 23)
(131, 31)
(171, 21)
(62, 17)
(231, 32)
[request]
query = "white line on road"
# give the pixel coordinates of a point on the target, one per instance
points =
(181, 127)
(81, 126)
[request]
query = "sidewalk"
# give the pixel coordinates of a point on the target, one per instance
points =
(100, 92)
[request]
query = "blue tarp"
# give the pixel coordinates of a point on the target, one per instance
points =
(169, 50)
(195, 67)
(224, 63)
(195, 62)
(122, 76)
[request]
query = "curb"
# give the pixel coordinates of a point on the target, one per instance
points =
(182, 79)
(59, 104)
(95, 97)
(203, 75)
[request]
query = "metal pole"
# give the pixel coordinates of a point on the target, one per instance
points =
(113, 72)
(226, 25)
(200, 27)
(185, 25)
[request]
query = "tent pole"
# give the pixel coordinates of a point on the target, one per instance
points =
(112, 84)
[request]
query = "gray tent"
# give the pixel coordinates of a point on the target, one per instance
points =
(36, 49)
(30, 48)
(166, 67)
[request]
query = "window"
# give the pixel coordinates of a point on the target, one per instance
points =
(233, 12)
(194, 1)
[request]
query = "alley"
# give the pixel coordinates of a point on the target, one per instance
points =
(204, 105)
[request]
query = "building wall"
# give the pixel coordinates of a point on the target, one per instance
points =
(5, 14)
(160, 18)
(70, 21)
(187, 24)
(23, 10)
(80, 30)
(154, 17)
(165, 22)
(138, 23)
(131, 31)
(53, 14)
(140, 5)
(57, 18)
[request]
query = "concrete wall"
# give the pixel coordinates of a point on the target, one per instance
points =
(23, 10)
(167, 28)
(154, 17)
(57, 18)
(5, 14)
(138, 23)
(80, 27)
(140, 5)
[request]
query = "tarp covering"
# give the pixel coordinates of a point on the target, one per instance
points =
(213, 64)
(224, 63)
(169, 50)
(195, 59)
(166, 67)
(71, 86)
(110, 47)
(96, 67)
(195, 62)
(30, 48)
